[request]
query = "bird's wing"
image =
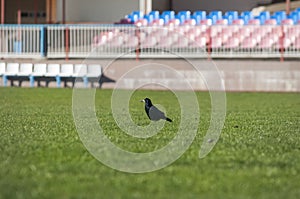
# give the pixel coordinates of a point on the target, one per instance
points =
(155, 114)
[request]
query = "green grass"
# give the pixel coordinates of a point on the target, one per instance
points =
(41, 156)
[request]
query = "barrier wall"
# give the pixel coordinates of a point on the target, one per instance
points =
(127, 41)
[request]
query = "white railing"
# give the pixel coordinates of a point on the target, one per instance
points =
(21, 41)
(127, 41)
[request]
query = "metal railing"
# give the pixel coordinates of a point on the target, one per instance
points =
(128, 41)
(22, 41)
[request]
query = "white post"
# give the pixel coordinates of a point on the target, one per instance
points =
(142, 5)
(148, 6)
(145, 6)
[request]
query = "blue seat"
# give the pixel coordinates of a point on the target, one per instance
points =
(186, 14)
(246, 16)
(213, 19)
(294, 16)
(133, 18)
(234, 14)
(149, 18)
(139, 14)
(217, 14)
(264, 16)
(154, 14)
(200, 14)
(230, 16)
(277, 18)
(169, 13)
(197, 18)
(297, 9)
(279, 15)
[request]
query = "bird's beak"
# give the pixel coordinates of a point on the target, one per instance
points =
(142, 101)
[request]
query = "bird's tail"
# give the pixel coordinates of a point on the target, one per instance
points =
(168, 119)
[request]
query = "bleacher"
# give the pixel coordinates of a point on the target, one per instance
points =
(217, 30)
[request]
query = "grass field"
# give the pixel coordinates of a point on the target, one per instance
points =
(257, 156)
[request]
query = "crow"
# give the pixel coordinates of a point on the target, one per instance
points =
(154, 113)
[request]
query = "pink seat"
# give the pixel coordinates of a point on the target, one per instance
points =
(182, 43)
(297, 43)
(190, 22)
(222, 22)
(132, 42)
(232, 43)
(254, 22)
(266, 43)
(174, 22)
(141, 22)
(216, 42)
(149, 42)
(158, 22)
(200, 42)
(249, 43)
(165, 42)
(287, 22)
(206, 22)
(239, 22)
(116, 41)
(270, 22)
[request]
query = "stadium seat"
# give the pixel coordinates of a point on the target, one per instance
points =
(66, 70)
(80, 71)
(12, 69)
(270, 22)
(2, 68)
(230, 16)
(39, 72)
(25, 73)
(199, 15)
(222, 22)
(149, 18)
(154, 14)
(94, 73)
(166, 42)
(66, 73)
(206, 22)
(52, 73)
(200, 42)
(249, 43)
(287, 22)
(295, 16)
(239, 22)
(246, 16)
(158, 22)
(216, 42)
(254, 22)
(232, 42)
(142, 22)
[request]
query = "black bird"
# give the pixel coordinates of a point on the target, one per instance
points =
(154, 113)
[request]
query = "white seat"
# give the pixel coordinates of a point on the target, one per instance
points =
(52, 70)
(66, 70)
(12, 69)
(39, 70)
(94, 70)
(2, 68)
(25, 69)
(80, 70)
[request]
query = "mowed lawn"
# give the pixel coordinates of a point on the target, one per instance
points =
(42, 156)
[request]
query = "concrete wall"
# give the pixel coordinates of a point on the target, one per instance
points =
(104, 11)
(237, 75)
